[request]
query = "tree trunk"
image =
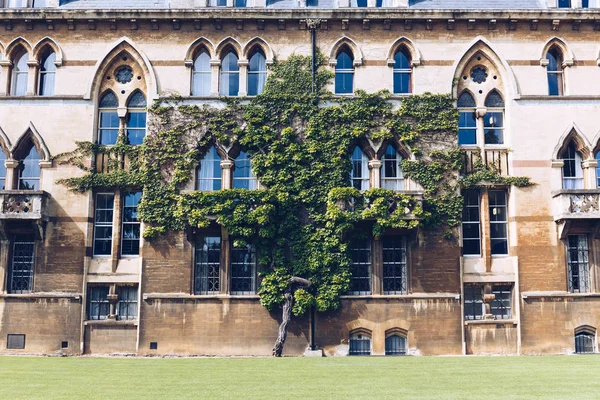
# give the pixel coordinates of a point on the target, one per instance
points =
(286, 314)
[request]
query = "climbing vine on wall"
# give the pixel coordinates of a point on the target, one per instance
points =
(300, 143)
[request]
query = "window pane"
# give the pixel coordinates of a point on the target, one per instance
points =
(501, 306)
(395, 345)
(208, 262)
(493, 120)
(467, 122)
(360, 254)
(243, 270)
(360, 345)
(130, 239)
(22, 263)
(394, 265)
(103, 223)
(578, 264)
(209, 171)
(402, 82)
(473, 302)
(136, 127)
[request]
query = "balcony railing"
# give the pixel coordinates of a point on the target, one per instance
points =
(576, 204)
(494, 159)
(362, 204)
(23, 204)
(108, 162)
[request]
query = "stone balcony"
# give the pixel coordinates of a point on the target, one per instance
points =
(576, 204)
(491, 158)
(23, 205)
(415, 201)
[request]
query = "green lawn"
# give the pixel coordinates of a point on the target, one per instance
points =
(557, 377)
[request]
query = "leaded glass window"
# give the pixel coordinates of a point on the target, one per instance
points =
(47, 75)
(360, 345)
(498, 222)
(30, 171)
(201, 75)
(471, 223)
(243, 177)
(402, 71)
(207, 264)
(243, 270)
(20, 71)
(391, 169)
(130, 232)
(344, 71)
(467, 119)
(585, 343)
(578, 264)
(230, 75)
(359, 175)
(473, 302)
(209, 171)
(22, 263)
(572, 170)
(493, 120)
(128, 302)
(98, 305)
(136, 118)
(395, 345)
(108, 119)
(555, 72)
(103, 223)
(501, 306)
(360, 255)
(394, 265)
(257, 73)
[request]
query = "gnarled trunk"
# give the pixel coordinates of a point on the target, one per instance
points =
(286, 314)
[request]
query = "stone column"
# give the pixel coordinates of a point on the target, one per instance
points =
(480, 113)
(486, 243)
(243, 64)
(11, 174)
(32, 77)
(589, 174)
(377, 263)
(214, 77)
(5, 71)
(556, 174)
(225, 262)
(116, 231)
(226, 178)
(375, 170)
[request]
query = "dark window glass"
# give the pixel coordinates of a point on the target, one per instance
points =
(394, 265)
(395, 345)
(257, 73)
(136, 118)
(467, 127)
(344, 72)
(493, 125)
(103, 223)
(208, 264)
(46, 75)
(230, 75)
(585, 4)
(501, 306)
(402, 71)
(109, 100)
(578, 263)
(360, 345)
(359, 3)
(243, 270)
(209, 172)
(98, 305)
(130, 240)
(498, 222)
(240, 3)
(494, 100)
(466, 100)
(243, 177)
(473, 302)
(555, 72)
(127, 305)
(360, 254)
(29, 171)
(585, 343)
(471, 224)
(22, 263)
(564, 3)
(312, 3)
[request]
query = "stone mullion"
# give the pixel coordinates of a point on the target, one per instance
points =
(32, 77)
(117, 227)
(486, 243)
(224, 273)
(589, 174)
(375, 169)
(377, 266)
(243, 65)
(214, 77)
(5, 72)
(12, 174)
(4, 264)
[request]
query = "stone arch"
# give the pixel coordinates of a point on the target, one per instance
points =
(133, 92)
(15, 44)
(366, 146)
(30, 136)
(264, 46)
(585, 329)
(482, 46)
(45, 43)
(404, 151)
(396, 331)
(193, 48)
(5, 144)
(403, 42)
(596, 143)
(567, 53)
(345, 41)
(573, 135)
(229, 41)
(361, 331)
(123, 45)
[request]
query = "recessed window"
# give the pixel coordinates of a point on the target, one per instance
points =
(127, 305)
(572, 170)
(402, 71)
(15, 341)
(207, 264)
(98, 305)
(578, 263)
(360, 345)
(130, 232)
(360, 255)
(230, 75)
(585, 340)
(344, 71)
(64, 345)
(30, 171)
(473, 302)
(493, 120)
(108, 119)
(47, 74)
(257, 73)
(20, 71)
(501, 306)
(209, 174)
(597, 169)
(498, 222)
(201, 75)
(243, 269)
(471, 223)
(394, 265)
(359, 175)
(2, 170)
(395, 345)
(22, 263)
(103, 223)
(243, 177)
(153, 345)
(564, 3)
(391, 169)
(136, 118)
(555, 72)
(467, 122)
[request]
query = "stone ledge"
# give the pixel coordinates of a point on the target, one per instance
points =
(41, 295)
(412, 296)
(111, 322)
(556, 294)
(185, 296)
(491, 322)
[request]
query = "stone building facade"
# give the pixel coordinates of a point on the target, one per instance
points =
(524, 278)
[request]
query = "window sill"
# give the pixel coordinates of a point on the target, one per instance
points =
(556, 193)
(185, 296)
(455, 296)
(111, 322)
(491, 322)
(540, 295)
(41, 295)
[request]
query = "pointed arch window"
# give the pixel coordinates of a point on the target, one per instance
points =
(257, 73)
(47, 74)
(136, 118)
(2, 171)
(467, 119)
(395, 345)
(29, 170)
(20, 72)
(209, 171)
(201, 75)
(572, 171)
(243, 177)
(344, 72)
(555, 72)
(359, 176)
(230, 75)
(402, 71)
(108, 119)
(585, 340)
(493, 121)
(391, 169)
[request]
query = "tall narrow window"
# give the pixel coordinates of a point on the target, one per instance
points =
(208, 264)
(473, 302)
(108, 119)
(578, 263)
(201, 75)
(394, 265)
(18, 86)
(230, 75)
(360, 345)
(22, 263)
(555, 72)
(391, 169)
(402, 71)
(29, 171)
(98, 305)
(598, 169)
(47, 75)
(572, 171)
(467, 120)
(243, 270)
(257, 73)
(130, 232)
(136, 118)
(493, 121)
(498, 222)
(501, 306)
(564, 3)
(2, 171)
(209, 171)
(471, 225)
(395, 345)
(359, 175)
(358, 3)
(585, 340)
(360, 254)
(243, 177)
(344, 72)
(103, 223)
(127, 305)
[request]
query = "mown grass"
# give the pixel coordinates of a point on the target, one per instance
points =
(550, 377)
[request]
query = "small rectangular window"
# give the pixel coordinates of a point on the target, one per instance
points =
(498, 222)
(360, 254)
(473, 302)
(501, 306)
(22, 263)
(467, 127)
(98, 305)
(208, 264)
(130, 232)
(15, 341)
(103, 223)
(394, 265)
(471, 225)
(136, 127)
(578, 263)
(127, 306)
(243, 270)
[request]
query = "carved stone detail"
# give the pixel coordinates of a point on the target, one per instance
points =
(582, 203)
